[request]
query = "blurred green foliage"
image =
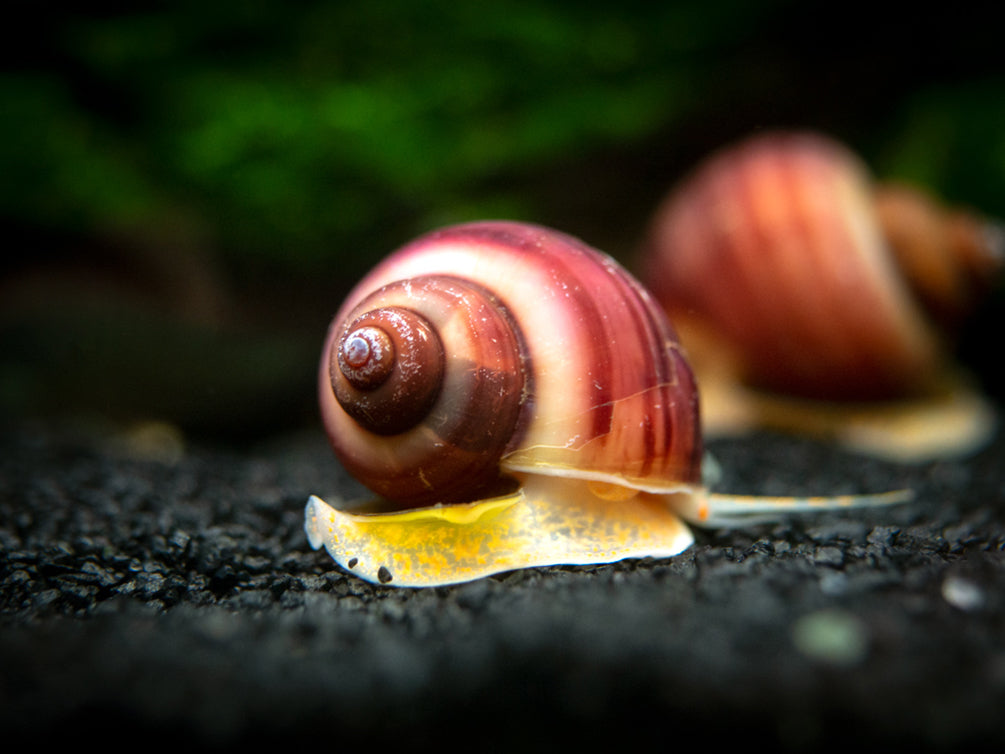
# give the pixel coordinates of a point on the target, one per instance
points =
(306, 139)
(298, 131)
(951, 138)
(288, 127)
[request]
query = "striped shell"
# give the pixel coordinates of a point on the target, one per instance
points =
(775, 243)
(791, 275)
(557, 362)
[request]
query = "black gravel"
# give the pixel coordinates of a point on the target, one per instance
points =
(177, 602)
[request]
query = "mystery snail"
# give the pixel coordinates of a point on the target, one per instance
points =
(790, 272)
(514, 398)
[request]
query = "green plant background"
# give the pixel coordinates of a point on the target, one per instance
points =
(190, 188)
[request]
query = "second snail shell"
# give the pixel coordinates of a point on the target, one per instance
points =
(812, 280)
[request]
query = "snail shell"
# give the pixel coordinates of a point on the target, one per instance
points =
(814, 282)
(520, 400)
(538, 354)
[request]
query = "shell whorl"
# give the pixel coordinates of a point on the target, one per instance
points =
(555, 361)
(387, 369)
(431, 372)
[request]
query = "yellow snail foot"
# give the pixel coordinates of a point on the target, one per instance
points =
(548, 521)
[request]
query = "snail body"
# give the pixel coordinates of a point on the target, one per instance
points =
(808, 279)
(514, 398)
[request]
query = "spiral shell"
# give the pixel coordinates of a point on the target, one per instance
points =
(555, 361)
(814, 281)
(520, 400)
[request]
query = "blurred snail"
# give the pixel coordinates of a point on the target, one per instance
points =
(789, 272)
(514, 398)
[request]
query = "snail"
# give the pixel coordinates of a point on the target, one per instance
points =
(817, 299)
(514, 398)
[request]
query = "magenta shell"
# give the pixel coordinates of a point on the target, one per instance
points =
(608, 395)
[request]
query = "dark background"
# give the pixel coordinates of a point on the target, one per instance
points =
(187, 192)
(189, 189)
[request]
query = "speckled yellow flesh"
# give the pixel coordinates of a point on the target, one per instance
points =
(548, 521)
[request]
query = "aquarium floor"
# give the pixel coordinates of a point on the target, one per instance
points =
(173, 601)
